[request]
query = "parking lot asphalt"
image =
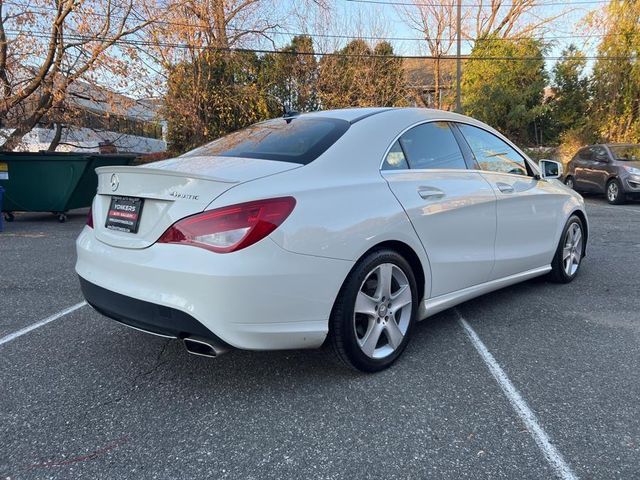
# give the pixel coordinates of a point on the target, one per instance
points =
(83, 397)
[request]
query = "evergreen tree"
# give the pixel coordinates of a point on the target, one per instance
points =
(290, 78)
(616, 74)
(503, 84)
(216, 94)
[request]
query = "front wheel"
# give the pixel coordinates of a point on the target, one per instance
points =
(375, 311)
(566, 262)
(569, 182)
(615, 195)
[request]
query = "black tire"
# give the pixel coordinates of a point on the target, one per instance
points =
(619, 197)
(342, 326)
(9, 217)
(570, 182)
(558, 273)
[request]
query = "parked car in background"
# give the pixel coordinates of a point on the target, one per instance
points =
(347, 226)
(612, 169)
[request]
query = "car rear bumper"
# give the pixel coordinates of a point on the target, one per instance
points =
(260, 298)
(141, 315)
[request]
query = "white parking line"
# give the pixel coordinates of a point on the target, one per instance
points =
(55, 316)
(553, 456)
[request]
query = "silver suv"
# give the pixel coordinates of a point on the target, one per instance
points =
(612, 169)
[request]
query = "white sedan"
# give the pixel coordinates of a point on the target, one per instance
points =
(343, 226)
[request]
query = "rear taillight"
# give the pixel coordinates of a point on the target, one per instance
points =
(90, 218)
(232, 228)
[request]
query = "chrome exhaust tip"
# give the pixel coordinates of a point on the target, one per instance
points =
(204, 347)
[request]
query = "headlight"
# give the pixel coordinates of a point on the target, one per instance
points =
(634, 170)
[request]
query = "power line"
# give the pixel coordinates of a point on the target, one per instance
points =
(144, 43)
(542, 4)
(275, 31)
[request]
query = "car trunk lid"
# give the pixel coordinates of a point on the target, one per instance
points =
(171, 190)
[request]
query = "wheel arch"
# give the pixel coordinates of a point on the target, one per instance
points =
(409, 255)
(585, 223)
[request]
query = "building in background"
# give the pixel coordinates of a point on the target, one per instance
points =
(94, 119)
(421, 84)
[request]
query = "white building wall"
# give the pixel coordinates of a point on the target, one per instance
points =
(86, 140)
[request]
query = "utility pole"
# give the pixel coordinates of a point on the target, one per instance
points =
(458, 54)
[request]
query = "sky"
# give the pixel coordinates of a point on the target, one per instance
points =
(385, 19)
(347, 19)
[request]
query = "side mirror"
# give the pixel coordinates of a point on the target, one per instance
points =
(550, 169)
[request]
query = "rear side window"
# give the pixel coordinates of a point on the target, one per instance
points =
(296, 140)
(492, 154)
(395, 158)
(585, 154)
(599, 154)
(428, 146)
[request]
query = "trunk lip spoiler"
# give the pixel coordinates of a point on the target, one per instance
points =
(160, 171)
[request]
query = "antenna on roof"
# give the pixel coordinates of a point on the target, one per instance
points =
(288, 115)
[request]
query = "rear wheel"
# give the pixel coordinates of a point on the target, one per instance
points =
(615, 195)
(566, 262)
(375, 312)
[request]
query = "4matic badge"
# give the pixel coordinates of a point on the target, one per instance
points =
(186, 196)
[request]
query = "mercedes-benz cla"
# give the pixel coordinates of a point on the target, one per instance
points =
(345, 227)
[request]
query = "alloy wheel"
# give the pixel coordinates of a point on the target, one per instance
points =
(569, 183)
(572, 251)
(612, 191)
(382, 311)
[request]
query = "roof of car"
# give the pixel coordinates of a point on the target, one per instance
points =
(354, 115)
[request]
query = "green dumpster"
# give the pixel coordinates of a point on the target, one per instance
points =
(52, 182)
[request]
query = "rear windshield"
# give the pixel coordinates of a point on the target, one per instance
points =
(629, 153)
(296, 140)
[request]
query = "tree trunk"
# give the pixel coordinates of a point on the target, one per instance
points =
(14, 139)
(436, 82)
(220, 24)
(57, 136)
(27, 124)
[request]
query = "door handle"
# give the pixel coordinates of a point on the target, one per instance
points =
(430, 193)
(504, 187)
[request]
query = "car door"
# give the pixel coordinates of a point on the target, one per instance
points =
(452, 209)
(597, 174)
(527, 208)
(581, 164)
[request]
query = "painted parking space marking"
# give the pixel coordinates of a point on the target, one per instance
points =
(55, 316)
(550, 452)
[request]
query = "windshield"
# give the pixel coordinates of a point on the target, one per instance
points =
(296, 140)
(628, 153)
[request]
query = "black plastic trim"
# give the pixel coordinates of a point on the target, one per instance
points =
(370, 114)
(142, 315)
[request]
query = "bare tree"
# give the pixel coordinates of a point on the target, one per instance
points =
(436, 22)
(191, 27)
(503, 20)
(46, 46)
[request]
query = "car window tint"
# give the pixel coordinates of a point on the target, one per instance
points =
(432, 145)
(599, 153)
(395, 159)
(492, 154)
(296, 140)
(626, 153)
(585, 154)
